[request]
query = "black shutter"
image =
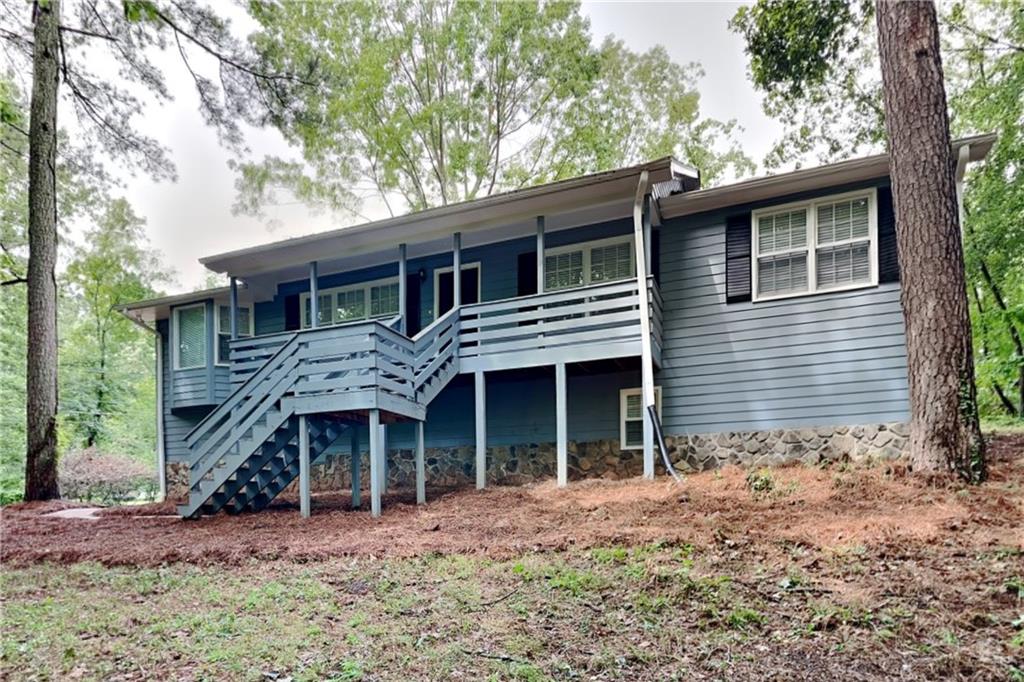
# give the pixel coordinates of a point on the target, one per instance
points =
(526, 280)
(292, 321)
(888, 256)
(737, 258)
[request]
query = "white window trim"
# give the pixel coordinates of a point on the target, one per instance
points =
(174, 337)
(475, 265)
(334, 291)
(217, 330)
(812, 243)
(587, 247)
(623, 394)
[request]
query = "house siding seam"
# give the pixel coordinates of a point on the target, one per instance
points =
(817, 360)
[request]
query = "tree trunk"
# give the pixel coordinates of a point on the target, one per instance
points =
(944, 434)
(41, 377)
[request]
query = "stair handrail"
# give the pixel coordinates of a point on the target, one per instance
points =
(424, 342)
(229, 403)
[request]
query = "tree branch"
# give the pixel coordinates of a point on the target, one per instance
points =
(226, 59)
(87, 34)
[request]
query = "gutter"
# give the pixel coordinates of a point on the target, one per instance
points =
(161, 453)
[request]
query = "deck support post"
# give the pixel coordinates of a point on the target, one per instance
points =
(376, 462)
(561, 426)
(234, 311)
(303, 466)
(480, 393)
(421, 468)
(356, 473)
(540, 254)
(456, 269)
(383, 459)
(314, 295)
(402, 273)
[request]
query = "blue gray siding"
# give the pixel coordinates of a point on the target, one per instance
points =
(826, 359)
(177, 422)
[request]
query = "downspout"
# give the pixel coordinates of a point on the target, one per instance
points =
(161, 454)
(963, 157)
(646, 352)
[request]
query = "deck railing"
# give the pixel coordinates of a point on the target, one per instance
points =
(568, 325)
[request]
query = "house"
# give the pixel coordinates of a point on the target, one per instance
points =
(560, 330)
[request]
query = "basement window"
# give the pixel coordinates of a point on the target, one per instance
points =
(631, 417)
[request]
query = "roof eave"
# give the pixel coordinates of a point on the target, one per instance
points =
(793, 182)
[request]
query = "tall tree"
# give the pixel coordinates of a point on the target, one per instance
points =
(41, 377)
(59, 46)
(436, 102)
(798, 49)
(945, 432)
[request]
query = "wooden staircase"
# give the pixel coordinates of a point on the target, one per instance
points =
(245, 452)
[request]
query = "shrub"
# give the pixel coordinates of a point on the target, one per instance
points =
(94, 476)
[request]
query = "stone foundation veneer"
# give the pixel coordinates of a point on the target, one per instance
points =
(519, 464)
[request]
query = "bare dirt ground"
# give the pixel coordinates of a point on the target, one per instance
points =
(813, 507)
(847, 572)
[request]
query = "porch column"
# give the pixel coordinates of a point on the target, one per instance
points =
(356, 463)
(480, 384)
(234, 309)
(303, 467)
(540, 254)
(421, 468)
(561, 426)
(456, 269)
(402, 271)
(314, 295)
(376, 462)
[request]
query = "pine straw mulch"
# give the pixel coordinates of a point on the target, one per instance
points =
(813, 507)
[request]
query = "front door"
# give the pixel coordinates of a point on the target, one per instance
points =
(444, 293)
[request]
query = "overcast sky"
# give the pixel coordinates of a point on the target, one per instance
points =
(192, 217)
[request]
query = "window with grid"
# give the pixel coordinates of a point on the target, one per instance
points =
(324, 312)
(190, 337)
(563, 270)
(350, 305)
(825, 245)
(782, 253)
(631, 416)
(224, 330)
(608, 263)
(843, 254)
(384, 300)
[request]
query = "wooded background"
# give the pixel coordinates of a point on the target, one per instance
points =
(477, 115)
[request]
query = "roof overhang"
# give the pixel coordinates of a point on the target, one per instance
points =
(771, 186)
(505, 214)
(153, 309)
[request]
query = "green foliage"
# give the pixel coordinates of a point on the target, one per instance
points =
(106, 368)
(986, 80)
(432, 103)
(816, 62)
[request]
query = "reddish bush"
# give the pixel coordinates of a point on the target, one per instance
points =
(94, 476)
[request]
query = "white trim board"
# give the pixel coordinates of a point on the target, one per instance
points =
(448, 268)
